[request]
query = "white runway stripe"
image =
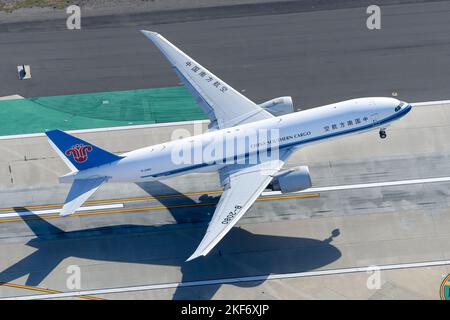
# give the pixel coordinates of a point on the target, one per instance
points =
(231, 280)
(268, 193)
(430, 103)
(366, 185)
(50, 211)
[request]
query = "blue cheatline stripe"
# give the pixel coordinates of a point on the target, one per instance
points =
(395, 116)
(197, 166)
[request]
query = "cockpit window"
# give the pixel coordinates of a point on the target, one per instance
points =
(399, 106)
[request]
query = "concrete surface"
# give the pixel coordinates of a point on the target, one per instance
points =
(336, 229)
(317, 57)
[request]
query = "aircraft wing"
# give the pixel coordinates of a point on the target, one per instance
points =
(223, 105)
(242, 186)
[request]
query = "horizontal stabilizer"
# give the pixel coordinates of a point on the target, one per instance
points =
(80, 191)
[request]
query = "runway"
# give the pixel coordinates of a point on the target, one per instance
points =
(373, 203)
(111, 206)
(307, 55)
(25, 212)
(84, 294)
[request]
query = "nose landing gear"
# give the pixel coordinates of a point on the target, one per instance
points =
(383, 134)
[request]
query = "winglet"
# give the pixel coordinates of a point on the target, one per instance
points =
(196, 254)
(171, 52)
(149, 33)
(207, 244)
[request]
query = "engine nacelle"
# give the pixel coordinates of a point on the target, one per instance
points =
(278, 106)
(292, 180)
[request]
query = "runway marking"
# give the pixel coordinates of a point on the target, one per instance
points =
(430, 103)
(273, 195)
(21, 286)
(174, 285)
(129, 199)
(367, 185)
(132, 210)
(268, 193)
(22, 212)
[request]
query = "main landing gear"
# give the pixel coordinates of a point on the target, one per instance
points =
(383, 134)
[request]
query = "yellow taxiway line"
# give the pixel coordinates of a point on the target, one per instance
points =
(21, 286)
(140, 209)
(56, 205)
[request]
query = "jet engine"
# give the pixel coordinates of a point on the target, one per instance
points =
(278, 106)
(292, 180)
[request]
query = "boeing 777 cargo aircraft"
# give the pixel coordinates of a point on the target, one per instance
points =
(262, 137)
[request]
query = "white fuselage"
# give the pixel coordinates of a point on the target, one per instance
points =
(297, 129)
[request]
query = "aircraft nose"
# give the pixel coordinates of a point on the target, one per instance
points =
(404, 107)
(408, 107)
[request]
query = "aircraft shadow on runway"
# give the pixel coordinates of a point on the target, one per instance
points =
(240, 254)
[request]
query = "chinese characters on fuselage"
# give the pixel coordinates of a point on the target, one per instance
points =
(349, 123)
